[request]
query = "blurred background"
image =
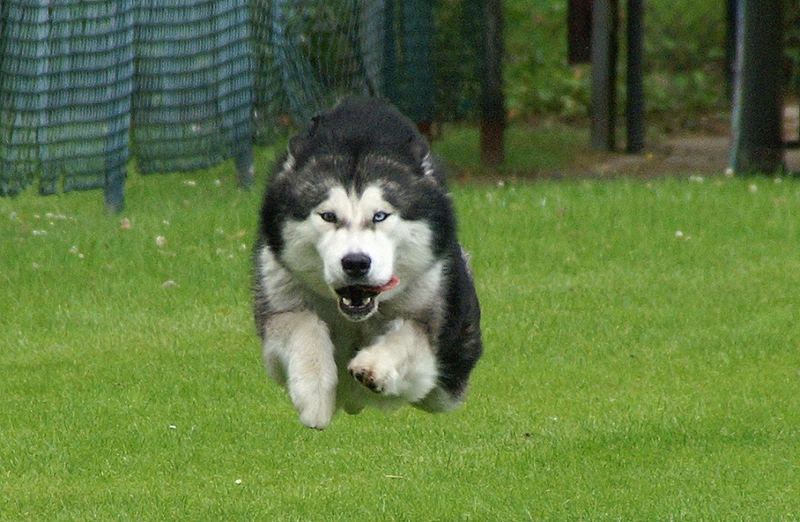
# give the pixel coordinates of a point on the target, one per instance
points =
(91, 91)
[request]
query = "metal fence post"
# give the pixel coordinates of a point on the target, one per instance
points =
(493, 112)
(389, 86)
(758, 92)
(731, 16)
(604, 74)
(634, 102)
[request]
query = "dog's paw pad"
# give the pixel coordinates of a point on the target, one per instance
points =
(367, 378)
(374, 374)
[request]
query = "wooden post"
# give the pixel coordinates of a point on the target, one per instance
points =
(604, 74)
(493, 111)
(758, 90)
(634, 102)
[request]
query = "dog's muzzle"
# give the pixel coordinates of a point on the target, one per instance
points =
(358, 302)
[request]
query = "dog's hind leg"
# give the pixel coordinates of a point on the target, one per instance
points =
(299, 344)
(400, 363)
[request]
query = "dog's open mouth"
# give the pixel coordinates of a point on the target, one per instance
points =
(357, 302)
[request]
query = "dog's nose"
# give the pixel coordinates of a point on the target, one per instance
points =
(356, 265)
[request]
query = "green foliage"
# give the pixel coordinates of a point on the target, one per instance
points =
(684, 58)
(538, 79)
(631, 372)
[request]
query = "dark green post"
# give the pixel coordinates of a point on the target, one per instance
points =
(243, 158)
(604, 74)
(758, 91)
(579, 31)
(634, 102)
(114, 192)
(416, 44)
(730, 45)
(493, 111)
(389, 72)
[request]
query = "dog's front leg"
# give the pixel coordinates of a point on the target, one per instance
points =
(298, 353)
(399, 363)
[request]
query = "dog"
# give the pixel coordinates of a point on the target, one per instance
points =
(362, 293)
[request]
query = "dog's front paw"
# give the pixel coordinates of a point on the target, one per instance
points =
(316, 409)
(317, 416)
(375, 373)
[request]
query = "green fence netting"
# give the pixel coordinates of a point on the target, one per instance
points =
(310, 53)
(193, 83)
(421, 54)
(65, 93)
(87, 86)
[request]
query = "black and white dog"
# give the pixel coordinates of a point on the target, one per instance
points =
(362, 292)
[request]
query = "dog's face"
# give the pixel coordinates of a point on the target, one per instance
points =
(358, 211)
(355, 237)
(356, 247)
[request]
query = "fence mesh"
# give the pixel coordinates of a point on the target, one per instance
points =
(65, 86)
(88, 85)
(193, 83)
(310, 53)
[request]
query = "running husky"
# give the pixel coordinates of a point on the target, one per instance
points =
(362, 292)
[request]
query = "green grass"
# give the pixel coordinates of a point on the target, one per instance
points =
(547, 148)
(629, 373)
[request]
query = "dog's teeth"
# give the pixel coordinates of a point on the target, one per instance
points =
(346, 301)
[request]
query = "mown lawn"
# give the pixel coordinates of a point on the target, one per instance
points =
(642, 363)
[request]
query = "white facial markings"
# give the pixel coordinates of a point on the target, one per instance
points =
(353, 210)
(299, 253)
(416, 256)
(314, 248)
(354, 232)
(289, 163)
(338, 204)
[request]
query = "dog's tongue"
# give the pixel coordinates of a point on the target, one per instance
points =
(393, 282)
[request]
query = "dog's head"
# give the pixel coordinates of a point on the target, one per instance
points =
(358, 210)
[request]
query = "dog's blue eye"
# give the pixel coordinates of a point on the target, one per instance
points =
(379, 216)
(330, 217)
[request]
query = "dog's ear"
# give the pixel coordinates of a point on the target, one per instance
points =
(299, 144)
(421, 152)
